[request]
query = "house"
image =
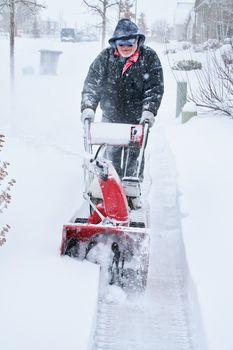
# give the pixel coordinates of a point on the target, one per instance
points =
(182, 18)
(213, 20)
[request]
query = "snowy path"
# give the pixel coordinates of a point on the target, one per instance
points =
(159, 319)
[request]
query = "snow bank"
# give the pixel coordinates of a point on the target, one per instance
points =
(203, 153)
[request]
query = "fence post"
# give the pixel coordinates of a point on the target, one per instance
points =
(189, 110)
(181, 96)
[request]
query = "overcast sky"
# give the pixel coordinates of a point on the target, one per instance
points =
(75, 11)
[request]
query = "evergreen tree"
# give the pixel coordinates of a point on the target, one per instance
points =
(35, 29)
(142, 23)
(126, 8)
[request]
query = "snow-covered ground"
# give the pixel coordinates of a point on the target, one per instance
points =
(51, 302)
(203, 152)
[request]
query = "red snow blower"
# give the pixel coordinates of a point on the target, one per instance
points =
(108, 229)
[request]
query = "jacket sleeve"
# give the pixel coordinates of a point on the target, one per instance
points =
(154, 85)
(94, 81)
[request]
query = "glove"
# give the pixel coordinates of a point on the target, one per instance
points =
(89, 114)
(147, 116)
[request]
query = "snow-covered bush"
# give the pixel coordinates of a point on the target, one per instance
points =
(5, 196)
(227, 59)
(186, 46)
(187, 65)
(198, 48)
(226, 52)
(211, 44)
(227, 41)
(167, 51)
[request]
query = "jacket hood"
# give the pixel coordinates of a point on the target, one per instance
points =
(126, 29)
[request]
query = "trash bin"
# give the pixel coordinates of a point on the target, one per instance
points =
(48, 61)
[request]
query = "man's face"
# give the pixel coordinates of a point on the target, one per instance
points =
(127, 50)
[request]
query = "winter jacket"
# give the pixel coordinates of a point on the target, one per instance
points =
(122, 98)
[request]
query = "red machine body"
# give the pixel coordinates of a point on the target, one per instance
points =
(114, 209)
(105, 217)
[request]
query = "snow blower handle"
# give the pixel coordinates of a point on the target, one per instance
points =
(87, 136)
(143, 147)
(87, 148)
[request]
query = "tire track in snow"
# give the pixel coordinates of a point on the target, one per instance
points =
(158, 319)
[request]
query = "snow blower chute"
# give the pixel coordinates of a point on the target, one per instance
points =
(108, 220)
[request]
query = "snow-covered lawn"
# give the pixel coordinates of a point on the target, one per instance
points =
(42, 293)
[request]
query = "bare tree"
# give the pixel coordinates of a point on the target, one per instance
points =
(100, 8)
(24, 18)
(160, 30)
(10, 7)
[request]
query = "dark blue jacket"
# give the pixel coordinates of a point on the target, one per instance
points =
(123, 98)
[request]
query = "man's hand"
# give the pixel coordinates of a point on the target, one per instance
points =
(147, 116)
(88, 114)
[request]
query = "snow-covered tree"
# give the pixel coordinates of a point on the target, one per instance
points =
(126, 9)
(35, 28)
(9, 7)
(100, 8)
(142, 23)
(5, 196)
(160, 30)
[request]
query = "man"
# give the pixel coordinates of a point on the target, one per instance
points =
(126, 79)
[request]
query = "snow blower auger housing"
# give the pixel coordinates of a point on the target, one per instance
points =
(107, 229)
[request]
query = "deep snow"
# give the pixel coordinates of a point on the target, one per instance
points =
(49, 301)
